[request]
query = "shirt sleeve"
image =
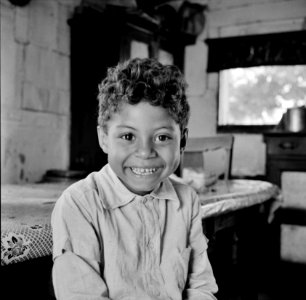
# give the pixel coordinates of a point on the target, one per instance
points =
(77, 264)
(201, 284)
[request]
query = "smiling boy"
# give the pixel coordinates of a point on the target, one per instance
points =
(129, 232)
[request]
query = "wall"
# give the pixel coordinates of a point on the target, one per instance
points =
(35, 75)
(35, 88)
(235, 18)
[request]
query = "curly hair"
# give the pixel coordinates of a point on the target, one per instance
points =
(148, 80)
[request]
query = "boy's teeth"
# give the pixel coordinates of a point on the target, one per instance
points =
(141, 171)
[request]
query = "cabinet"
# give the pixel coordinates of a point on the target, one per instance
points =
(95, 46)
(286, 151)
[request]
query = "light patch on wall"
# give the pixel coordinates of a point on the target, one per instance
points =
(139, 49)
(249, 156)
(195, 69)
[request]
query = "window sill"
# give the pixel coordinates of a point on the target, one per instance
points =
(251, 129)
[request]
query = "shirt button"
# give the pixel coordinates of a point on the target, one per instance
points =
(149, 198)
(151, 245)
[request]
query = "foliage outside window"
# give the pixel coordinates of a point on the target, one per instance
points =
(258, 96)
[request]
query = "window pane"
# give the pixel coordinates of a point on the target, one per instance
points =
(260, 95)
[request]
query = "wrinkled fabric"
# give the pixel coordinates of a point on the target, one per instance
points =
(109, 243)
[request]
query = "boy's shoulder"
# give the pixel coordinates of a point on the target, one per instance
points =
(84, 190)
(180, 183)
(184, 191)
(101, 188)
(84, 185)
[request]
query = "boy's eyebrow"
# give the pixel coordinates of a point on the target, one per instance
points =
(133, 128)
(165, 127)
(126, 127)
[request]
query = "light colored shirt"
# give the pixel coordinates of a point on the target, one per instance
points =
(109, 243)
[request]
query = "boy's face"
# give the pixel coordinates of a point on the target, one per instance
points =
(143, 145)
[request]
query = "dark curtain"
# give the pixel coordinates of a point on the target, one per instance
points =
(287, 48)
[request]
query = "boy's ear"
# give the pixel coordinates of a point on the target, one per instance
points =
(103, 139)
(184, 138)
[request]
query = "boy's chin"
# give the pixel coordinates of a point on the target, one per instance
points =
(143, 190)
(142, 193)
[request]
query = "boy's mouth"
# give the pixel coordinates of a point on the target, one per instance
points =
(144, 171)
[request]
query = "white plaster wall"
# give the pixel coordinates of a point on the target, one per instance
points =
(35, 88)
(201, 91)
(234, 18)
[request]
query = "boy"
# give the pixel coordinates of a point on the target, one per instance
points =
(129, 232)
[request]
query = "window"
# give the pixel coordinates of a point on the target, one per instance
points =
(260, 76)
(259, 96)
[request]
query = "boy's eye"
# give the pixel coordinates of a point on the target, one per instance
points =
(128, 137)
(162, 138)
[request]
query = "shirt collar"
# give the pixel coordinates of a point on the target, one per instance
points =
(115, 194)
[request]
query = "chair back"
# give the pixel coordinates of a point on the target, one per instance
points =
(194, 154)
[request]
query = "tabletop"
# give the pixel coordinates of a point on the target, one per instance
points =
(26, 212)
(237, 194)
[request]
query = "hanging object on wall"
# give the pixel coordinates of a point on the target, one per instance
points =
(19, 2)
(175, 16)
(192, 18)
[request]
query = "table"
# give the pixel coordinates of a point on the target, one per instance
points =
(26, 210)
(236, 219)
(237, 194)
(26, 220)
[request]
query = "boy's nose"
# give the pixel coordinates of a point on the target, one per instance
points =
(145, 149)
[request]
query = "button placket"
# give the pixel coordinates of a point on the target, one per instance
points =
(150, 215)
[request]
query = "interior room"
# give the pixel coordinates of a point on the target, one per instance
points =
(245, 65)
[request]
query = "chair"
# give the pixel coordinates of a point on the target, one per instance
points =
(195, 156)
